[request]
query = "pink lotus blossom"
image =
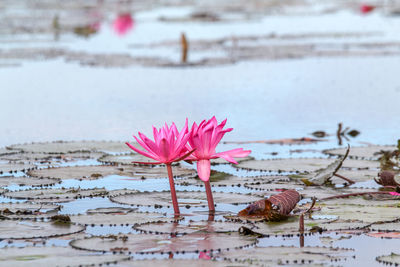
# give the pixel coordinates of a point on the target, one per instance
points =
(168, 146)
(205, 138)
(394, 193)
(123, 23)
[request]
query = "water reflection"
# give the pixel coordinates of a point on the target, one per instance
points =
(123, 24)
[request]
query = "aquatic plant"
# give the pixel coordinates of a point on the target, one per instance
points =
(203, 139)
(169, 146)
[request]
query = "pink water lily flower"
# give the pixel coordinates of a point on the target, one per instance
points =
(204, 139)
(123, 24)
(169, 146)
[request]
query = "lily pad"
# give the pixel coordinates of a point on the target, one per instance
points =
(191, 227)
(392, 259)
(6, 167)
(220, 179)
(55, 194)
(287, 227)
(54, 256)
(301, 165)
(128, 218)
(185, 198)
(143, 243)
(96, 172)
(385, 226)
(110, 210)
(27, 181)
(222, 161)
(6, 151)
(10, 229)
(180, 263)
(63, 147)
(44, 158)
(368, 214)
(124, 159)
(368, 152)
(28, 210)
(266, 256)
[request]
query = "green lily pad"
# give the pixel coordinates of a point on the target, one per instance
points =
(392, 259)
(120, 218)
(272, 256)
(303, 165)
(185, 198)
(222, 161)
(144, 243)
(54, 256)
(191, 227)
(6, 167)
(63, 147)
(27, 181)
(110, 210)
(51, 159)
(10, 229)
(287, 165)
(180, 263)
(28, 210)
(385, 226)
(221, 179)
(55, 194)
(99, 171)
(287, 227)
(369, 152)
(367, 214)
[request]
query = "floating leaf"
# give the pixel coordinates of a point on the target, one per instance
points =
(385, 235)
(221, 179)
(6, 167)
(191, 227)
(322, 176)
(29, 229)
(27, 181)
(28, 210)
(369, 152)
(287, 165)
(284, 141)
(54, 256)
(129, 218)
(96, 172)
(281, 255)
(143, 243)
(185, 198)
(62, 147)
(181, 263)
(392, 259)
(55, 194)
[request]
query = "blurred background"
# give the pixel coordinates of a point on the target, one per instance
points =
(105, 69)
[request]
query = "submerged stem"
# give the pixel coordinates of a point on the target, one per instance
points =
(173, 192)
(210, 198)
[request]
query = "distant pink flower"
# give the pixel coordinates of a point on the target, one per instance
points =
(366, 8)
(205, 138)
(204, 255)
(169, 144)
(123, 23)
(394, 193)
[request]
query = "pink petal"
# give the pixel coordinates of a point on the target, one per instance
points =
(204, 169)
(140, 151)
(394, 193)
(234, 153)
